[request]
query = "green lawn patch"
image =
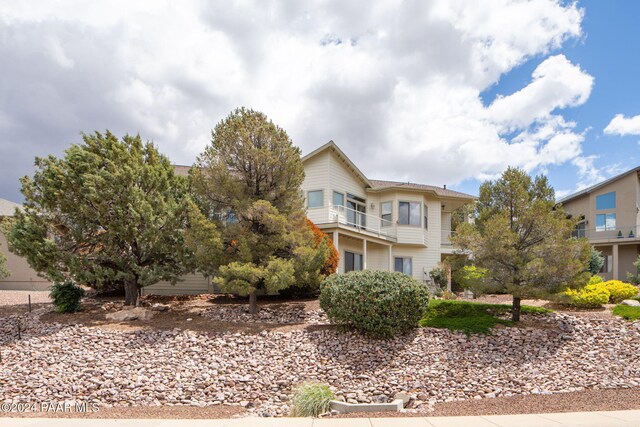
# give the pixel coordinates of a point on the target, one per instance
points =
(470, 317)
(627, 312)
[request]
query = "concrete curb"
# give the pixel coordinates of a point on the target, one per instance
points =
(350, 408)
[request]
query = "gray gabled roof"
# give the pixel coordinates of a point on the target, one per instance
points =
(375, 184)
(440, 191)
(8, 208)
(598, 185)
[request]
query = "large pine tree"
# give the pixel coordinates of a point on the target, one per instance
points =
(523, 240)
(109, 212)
(248, 181)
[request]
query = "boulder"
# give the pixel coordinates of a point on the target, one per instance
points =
(137, 313)
(159, 307)
(631, 302)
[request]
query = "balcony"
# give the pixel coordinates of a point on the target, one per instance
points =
(445, 239)
(622, 233)
(355, 220)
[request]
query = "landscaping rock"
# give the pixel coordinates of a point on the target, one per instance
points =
(402, 396)
(137, 313)
(159, 307)
(631, 302)
(57, 362)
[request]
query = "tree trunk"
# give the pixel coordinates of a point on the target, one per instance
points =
(515, 313)
(253, 302)
(130, 292)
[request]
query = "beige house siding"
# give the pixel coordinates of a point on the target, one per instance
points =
(626, 189)
(623, 250)
(316, 178)
(627, 255)
(22, 277)
(191, 284)
(343, 180)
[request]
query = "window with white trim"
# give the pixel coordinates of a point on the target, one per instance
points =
(403, 265)
(314, 199)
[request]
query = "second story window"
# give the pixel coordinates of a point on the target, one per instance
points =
(338, 199)
(385, 214)
(605, 222)
(409, 213)
(606, 201)
(314, 199)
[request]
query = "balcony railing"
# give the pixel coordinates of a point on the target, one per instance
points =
(352, 218)
(446, 237)
(622, 232)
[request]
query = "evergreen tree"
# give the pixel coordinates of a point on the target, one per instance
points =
(4, 272)
(110, 211)
(522, 240)
(248, 182)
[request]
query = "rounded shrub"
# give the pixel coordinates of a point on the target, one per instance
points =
(591, 296)
(619, 291)
(66, 297)
(311, 400)
(377, 303)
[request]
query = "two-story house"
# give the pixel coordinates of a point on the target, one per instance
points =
(609, 215)
(378, 225)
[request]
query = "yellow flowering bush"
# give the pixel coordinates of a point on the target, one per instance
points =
(619, 290)
(591, 296)
(598, 292)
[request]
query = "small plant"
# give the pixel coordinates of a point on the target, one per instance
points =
(635, 278)
(627, 312)
(377, 303)
(449, 295)
(311, 400)
(439, 276)
(631, 235)
(620, 234)
(66, 297)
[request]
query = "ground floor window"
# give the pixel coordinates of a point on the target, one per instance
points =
(352, 261)
(403, 265)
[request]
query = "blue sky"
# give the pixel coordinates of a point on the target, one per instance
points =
(430, 91)
(606, 49)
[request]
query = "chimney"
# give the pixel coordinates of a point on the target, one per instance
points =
(445, 186)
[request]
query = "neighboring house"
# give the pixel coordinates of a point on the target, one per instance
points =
(609, 214)
(22, 276)
(378, 225)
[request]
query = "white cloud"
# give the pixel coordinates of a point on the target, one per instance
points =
(620, 125)
(557, 83)
(394, 83)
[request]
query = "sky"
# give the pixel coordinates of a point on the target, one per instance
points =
(429, 91)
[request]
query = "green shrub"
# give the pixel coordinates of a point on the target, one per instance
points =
(595, 279)
(591, 296)
(377, 303)
(311, 400)
(627, 312)
(66, 297)
(619, 291)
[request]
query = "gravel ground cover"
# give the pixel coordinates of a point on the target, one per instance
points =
(563, 353)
